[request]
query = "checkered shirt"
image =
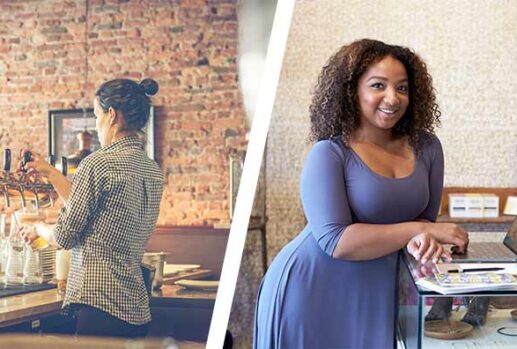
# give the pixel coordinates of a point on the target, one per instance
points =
(110, 214)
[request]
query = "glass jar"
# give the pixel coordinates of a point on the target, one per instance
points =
(3, 246)
(15, 254)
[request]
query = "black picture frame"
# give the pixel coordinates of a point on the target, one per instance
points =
(65, 124)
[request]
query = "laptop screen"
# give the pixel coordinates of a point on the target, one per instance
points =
(511, 238)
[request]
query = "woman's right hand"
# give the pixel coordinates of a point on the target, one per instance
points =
(424, 247)
(449, 233)
(37, 164)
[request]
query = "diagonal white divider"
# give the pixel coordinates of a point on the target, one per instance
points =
(250, 174)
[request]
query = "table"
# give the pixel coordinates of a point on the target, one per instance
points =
(31, 341)
(415, 302)
(31, 307)
(25, 307)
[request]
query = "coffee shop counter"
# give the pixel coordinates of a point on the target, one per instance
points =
(31, 341)
(29, 306)
(186, 313)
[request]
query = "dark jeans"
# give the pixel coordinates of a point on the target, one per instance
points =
(95, 322)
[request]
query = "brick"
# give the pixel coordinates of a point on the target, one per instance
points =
(190, 48)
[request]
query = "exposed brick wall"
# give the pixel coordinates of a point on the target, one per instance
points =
(189, 47)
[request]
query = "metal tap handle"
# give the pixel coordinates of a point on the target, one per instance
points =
(7, 160)
(26, 158)
(52, 160)
(22, 196)
(36, 199)
(6, 197)
(7, 168)
(64, 165)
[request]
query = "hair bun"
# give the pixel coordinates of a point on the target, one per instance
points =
(149, 86)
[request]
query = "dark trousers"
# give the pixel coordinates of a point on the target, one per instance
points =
(95, 322)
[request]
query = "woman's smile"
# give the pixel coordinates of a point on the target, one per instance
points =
(383, 94)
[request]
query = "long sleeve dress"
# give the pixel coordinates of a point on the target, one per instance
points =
(308, 299)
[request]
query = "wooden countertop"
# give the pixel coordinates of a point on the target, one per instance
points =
(445, 218)
(31, 341)
(174, 291)
(23, 307)
(177, 296)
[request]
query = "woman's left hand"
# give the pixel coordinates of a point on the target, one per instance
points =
(425, 248)
(28, 234)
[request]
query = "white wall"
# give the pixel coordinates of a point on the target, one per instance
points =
(470, 47)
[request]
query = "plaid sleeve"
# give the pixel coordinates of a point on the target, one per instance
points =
(88, 185)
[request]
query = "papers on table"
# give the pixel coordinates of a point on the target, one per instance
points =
(475, 279)
(450, 283)
(431, 284)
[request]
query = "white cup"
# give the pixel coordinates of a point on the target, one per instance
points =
(63, 258)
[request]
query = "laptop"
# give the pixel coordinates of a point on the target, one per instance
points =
(495, 252)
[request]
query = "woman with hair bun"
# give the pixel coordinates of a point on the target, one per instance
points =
(371, 186)
(110, 211)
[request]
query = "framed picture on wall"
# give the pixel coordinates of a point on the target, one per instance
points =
(65, 125)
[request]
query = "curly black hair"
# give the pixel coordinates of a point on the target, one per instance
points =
(334, 110)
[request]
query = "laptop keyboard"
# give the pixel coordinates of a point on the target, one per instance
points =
(488, 249)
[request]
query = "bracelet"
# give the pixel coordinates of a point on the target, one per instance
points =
(503, 329)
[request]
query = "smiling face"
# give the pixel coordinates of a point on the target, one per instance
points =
(383, 94)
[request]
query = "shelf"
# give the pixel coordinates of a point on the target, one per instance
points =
(502, 193)
(445, 218)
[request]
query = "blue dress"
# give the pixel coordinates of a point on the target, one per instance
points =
(308, 299)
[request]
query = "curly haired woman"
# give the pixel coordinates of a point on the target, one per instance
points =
(371, 185)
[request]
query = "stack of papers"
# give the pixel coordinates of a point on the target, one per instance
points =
(466, 282)
(479, 279)
(431, 284)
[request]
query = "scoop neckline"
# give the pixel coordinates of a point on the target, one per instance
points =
(372, 172)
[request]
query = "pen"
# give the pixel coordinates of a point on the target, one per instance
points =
(473, 270)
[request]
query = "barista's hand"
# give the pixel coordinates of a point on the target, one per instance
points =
(449, 233)
(425, 248)
(28, 234)
(31, 233)
(37, 165)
